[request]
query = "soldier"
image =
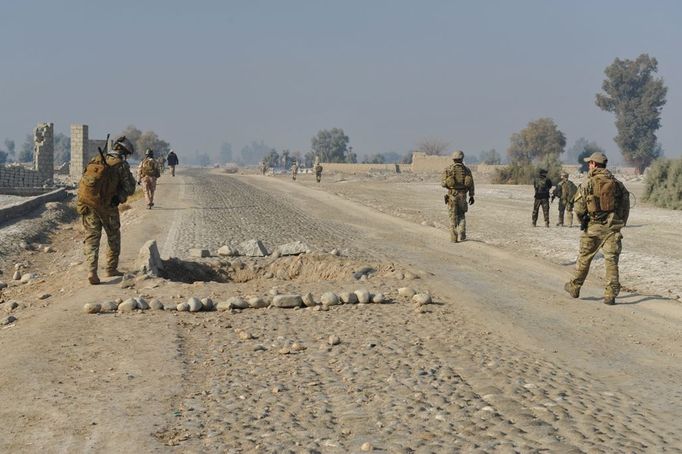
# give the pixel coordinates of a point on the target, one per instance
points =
(318, 170)
(106, 182)
(565, 190)
(147, 173)
(542, 185)
(173, 160)
(294, 170)
(603, 206)
(263, 168)
(458, 180)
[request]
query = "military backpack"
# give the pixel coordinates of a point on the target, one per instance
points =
(603, 197)
(150, 168)
(97, 186)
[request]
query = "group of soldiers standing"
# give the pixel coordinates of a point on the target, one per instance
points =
(317, 168)
(601, 204)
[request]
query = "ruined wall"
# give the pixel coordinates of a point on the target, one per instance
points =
(17, 176)
(358, 168)
(79, 150)
(43, 152)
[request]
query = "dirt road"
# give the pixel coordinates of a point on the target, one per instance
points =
(504, 361)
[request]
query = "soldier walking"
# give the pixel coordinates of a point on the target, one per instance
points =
(542, 185)
(173, 160)
(565, 190)
(458, 180)
(318, 170)
(147, 173)
(603, 206)
(106, 182)
(294, 170)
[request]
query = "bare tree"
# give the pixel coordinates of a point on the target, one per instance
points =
(432, 146)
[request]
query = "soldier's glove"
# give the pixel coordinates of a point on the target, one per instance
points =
(115, 201)
(471, 200)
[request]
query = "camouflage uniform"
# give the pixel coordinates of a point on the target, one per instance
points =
(147, 179)
(602, 232)
(294, 171)
(542, 185)
(107, 218)
(318, 172)
(565, 190)
(458, 180)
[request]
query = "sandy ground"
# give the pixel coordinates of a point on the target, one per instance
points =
(503, 361)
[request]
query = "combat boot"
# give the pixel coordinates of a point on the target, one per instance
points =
(572, 290)
(609, 300)
(93, 278)
(113, 273)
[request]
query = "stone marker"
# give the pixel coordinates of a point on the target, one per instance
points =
(237, 302)
(348, 298)
(207, 304)
(199, 253)
(309, 300)
(421, 298)
(252, 248)
(183, 307)
(149, 259)
(222, 306)
(92, 308)
(287, 301)
(329, 299)
(109, 306)
(295, 248)
(142, 303)
(8, 320)
(27, 277)
(257, 302)
(334, 340)
(156, 305)
(194, 304)
(378, 298)
(363, 295)
(17, 275)
(128, 305)
(407, 292)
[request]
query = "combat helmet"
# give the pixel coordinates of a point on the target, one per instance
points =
(149, 153)
(564, 174)
(458, 155)
(124, 145)
(542, 172)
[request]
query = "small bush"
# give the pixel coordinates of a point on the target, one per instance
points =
(663, 184)
(516, 173)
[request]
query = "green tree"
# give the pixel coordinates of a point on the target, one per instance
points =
(26, 150)
(272, 158)
(253, 153)
(3, 156)
(376, 158)
(331, 145)
(663, 183)
(536, 146)
(537, 141)
(143, 140)
(636, 97)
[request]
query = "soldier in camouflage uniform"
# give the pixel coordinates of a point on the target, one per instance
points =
(603, 205)
(294, 170)
(107, 217)
(565, 190)
(458, 180)
(542, 185)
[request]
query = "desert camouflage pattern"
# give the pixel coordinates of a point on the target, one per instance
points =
(565, 191)
(294, 171)
(149, 188)
(107, 218)
(458, 180)
(602, 233)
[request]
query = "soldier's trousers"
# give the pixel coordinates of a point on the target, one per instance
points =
(545, 210)
(149, 188)
(93, 223)
(172, 170)
(457, 206)
(599, 236)
(564, 208)
(318, 177)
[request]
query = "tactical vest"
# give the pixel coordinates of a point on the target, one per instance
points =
(456, 177)
(149, 168)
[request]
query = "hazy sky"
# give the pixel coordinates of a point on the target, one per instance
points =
(388, 72)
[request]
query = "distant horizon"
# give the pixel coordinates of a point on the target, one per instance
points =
(389, 73)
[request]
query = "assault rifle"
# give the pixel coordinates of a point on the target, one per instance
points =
(103, 153)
